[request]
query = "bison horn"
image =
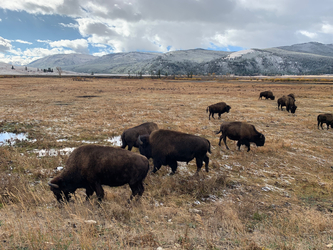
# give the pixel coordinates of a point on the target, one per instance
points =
(53, 185)
(139, 140)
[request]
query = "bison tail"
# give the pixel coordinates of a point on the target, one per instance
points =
(217, 132)
(209, 147)
(207, 110)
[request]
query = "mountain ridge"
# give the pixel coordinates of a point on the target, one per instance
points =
(304, 58)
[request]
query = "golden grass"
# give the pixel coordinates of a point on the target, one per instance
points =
(274, 197)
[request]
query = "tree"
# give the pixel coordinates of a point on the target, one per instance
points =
(59, 71)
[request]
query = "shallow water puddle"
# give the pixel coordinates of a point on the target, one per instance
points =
(10, 138)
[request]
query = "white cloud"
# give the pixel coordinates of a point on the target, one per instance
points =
(21, 41)
(5, 45)
(308, 34)
(70, 25)
(327, 28)
(156, 25)
(78, 45)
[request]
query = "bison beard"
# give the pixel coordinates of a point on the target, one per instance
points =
(92, 166)
(242, 132)
(166, 147)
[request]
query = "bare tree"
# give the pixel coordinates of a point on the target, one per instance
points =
(59, 71)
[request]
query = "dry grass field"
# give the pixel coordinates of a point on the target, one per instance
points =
(279, 196)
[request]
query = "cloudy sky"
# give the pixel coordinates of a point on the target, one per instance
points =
(32, 29)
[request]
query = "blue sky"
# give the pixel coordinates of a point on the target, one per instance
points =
(32, 29)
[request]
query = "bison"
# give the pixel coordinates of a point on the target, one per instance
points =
(267, 95)
(219, 108)
(92, 166)
(166, 147)
(130, 136)
(325, 118)
(243, 132)
(287, 101)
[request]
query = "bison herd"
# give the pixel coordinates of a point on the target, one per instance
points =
(92, 166)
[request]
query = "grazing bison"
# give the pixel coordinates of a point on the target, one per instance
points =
(219, 108)
(130, 136)
(325, 118)
(287, 101)
(243, 132)
(267, 95)
(92, 166)
(166, 147)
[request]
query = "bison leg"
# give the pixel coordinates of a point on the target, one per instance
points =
(199, 163)
(224, 140)
(89, 192)
(239, 144)
(219, 115)
(213, 115)
(248, 146)
(157, 165)
(130, 147)
(137, 188)
(99, 191)
(206, 160)
(173, 166)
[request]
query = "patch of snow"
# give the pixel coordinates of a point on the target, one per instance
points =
(53, 152)
(239, 53)
(115, 141)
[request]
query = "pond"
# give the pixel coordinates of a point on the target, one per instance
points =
(10, 138)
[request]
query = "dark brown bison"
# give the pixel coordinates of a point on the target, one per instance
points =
(92, 166)
(243, 132)
(325, 118)
(267, 95)
(166, 147)
(219, 108)
(130, 136)
(287, 101)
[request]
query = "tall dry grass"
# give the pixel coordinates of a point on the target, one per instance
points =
(274, 197)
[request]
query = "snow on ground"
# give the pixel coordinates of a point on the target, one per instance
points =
(6, 69)
(239, 53)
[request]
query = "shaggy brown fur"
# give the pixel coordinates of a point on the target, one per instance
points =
(166, 147)
(267, 95)
(325, 118)
(288, 102)
(219, 108)
(243, 132)
(92, 166)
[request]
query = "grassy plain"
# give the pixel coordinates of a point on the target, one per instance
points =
(274, 197)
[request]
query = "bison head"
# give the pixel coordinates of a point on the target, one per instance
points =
(144, 146)
(272, 97)
(293, 109)
(227, 108)
(58, 191)
(260, 140)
